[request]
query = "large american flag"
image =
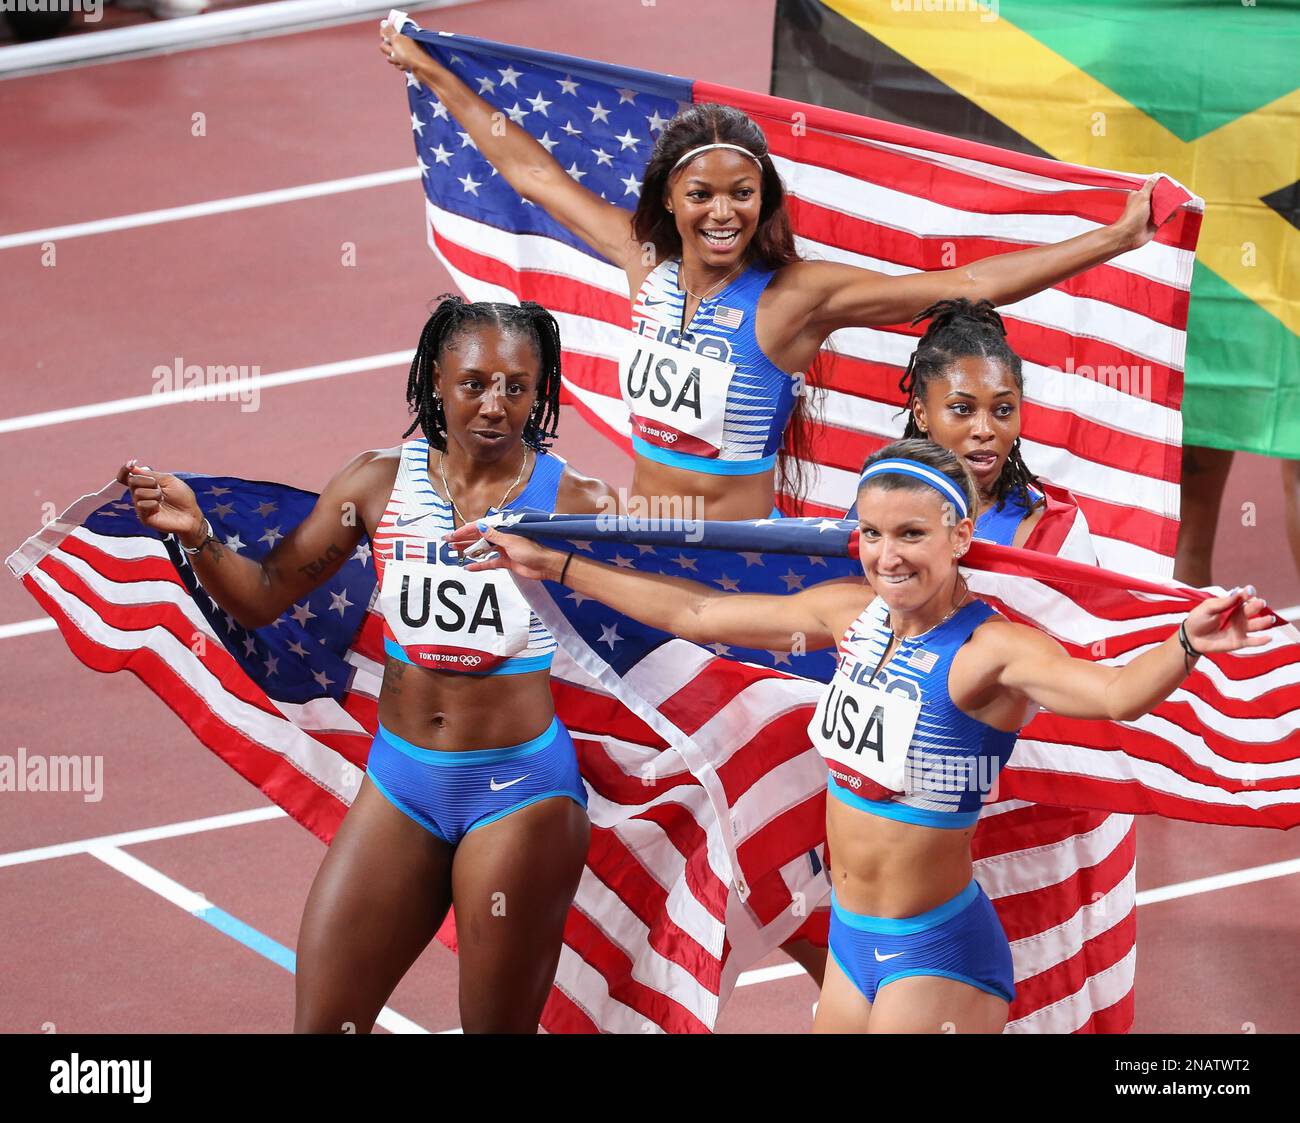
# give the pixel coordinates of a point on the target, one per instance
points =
(1103, 351)
(707, 805)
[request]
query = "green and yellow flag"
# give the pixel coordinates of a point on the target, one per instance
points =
(1205, 90)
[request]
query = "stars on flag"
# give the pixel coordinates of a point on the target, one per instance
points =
(271, 537)
(598, 113)
(626, 95)
(302, 613)
(631, 185)
(567, 85)
(441, 155)
(235, 543)
(417, 124)
(509, 76)
(362, 553)
(468, 183)
(339, 602)
(610, 636)
(539, 104)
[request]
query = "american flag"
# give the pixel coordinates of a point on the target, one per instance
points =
(1102, 351)
(1103, 368)
(707, 805)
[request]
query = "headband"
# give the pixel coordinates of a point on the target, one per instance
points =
(922, 472)
(706, 147)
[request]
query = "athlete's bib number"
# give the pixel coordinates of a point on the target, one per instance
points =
(677, 397)
(450, 619)
(864, 732)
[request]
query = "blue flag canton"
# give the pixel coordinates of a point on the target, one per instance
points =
(601, 133)
(301, 655)
(713, 561)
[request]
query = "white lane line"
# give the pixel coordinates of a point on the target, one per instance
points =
(201, 908)
(1292, 614)
(769, 974)
(27, 627)
(146, 834)
(207, 30)
(1219, 881)
(213, 206)
(229, 391)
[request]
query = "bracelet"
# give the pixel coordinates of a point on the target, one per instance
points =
(208, 537)
(1189, 652)
(565, 568)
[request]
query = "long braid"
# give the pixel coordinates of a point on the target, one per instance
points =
(446, 321)
(957, 330)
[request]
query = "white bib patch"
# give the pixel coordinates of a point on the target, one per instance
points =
(448, 618)
(864, 732)
(677, 397)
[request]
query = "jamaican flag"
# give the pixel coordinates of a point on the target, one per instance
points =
(1205, 90)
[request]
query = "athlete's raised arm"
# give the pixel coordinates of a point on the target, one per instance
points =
(257, 592)
(520, 160)
(810, 619)
(847, 296)
(1036, 666)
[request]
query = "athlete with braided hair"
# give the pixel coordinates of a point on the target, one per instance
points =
(472, 794)
(965, 389)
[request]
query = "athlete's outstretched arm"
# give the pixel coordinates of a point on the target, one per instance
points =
(520, 160)
(684, 608)
(1038, 667)
(847, 296)
(253, 592)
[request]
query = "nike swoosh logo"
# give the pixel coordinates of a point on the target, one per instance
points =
(402, 521)
(881, 958)
(502, 787)
(651, 303)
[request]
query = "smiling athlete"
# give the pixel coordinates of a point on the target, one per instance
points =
(472, 793)
(931, 690)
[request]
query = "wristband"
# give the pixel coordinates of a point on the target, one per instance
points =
(565, 568)
(1189, 652)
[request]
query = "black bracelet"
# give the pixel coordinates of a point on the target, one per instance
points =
(1189, 652)
(565, 568)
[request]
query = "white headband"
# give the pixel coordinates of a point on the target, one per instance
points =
(706, 147)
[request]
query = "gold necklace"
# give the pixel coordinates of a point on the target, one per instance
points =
(705, 295)
(442, 471)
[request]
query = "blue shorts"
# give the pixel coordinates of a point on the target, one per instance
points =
(451, 794)
(961, 939)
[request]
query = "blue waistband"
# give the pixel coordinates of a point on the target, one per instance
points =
(891, 809)
(518, 665)
(708, 465)
(907, 925)
(473, 756)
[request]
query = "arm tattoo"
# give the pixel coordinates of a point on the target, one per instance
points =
(316, 568)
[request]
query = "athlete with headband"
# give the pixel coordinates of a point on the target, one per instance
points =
(726, 288)
(931, 689)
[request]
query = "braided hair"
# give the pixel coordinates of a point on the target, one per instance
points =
(454, 315)
(959, 329)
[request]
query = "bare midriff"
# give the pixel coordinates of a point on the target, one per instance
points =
(702, 495)
(453, 712)
(883, 867)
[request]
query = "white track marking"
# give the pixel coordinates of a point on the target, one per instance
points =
(27, 628)
(146, 834)
(212, 206)
(206, 393)
(207, 30)
(769, 974)
(196, 904)
(1219, 881)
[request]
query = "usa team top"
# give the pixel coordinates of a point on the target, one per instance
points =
(438, 614)
(999, 525)
(894, 741)
(704, 397)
